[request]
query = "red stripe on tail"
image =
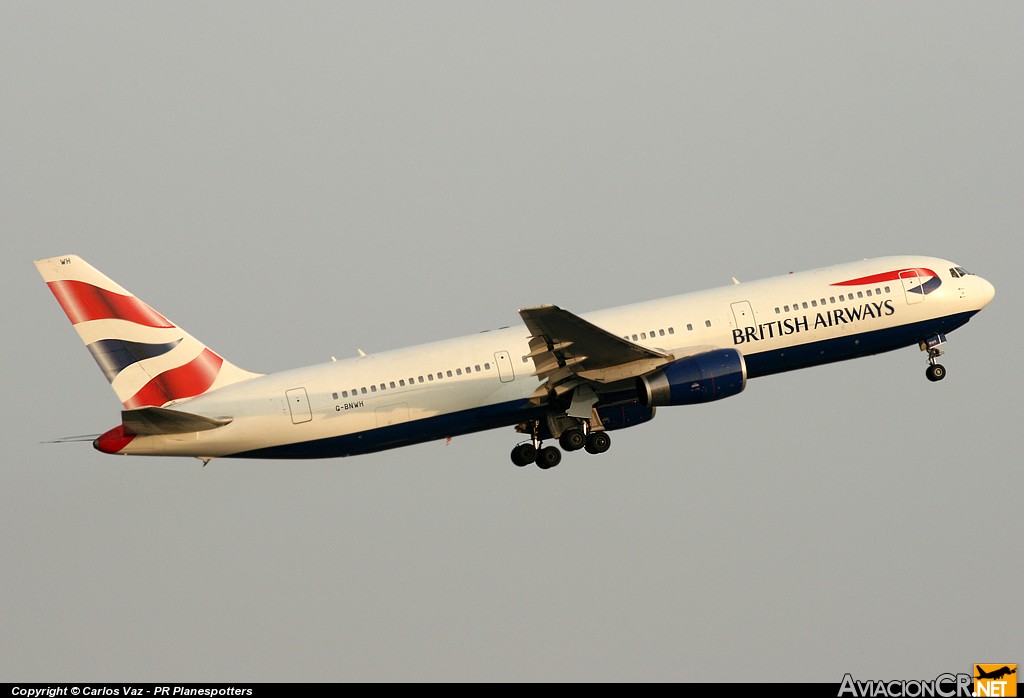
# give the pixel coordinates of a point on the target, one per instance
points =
(82, 302)
(194, 378)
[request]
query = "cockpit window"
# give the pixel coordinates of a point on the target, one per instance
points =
(957, 272)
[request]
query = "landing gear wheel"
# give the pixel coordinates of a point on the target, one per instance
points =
(598, 442)
(936, 372)
(548, 457)
(524, 454)
(572, 440)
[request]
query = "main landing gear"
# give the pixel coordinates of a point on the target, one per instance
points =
(935, 371)
(572, 439)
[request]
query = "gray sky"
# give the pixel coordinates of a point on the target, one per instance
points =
(291, 181)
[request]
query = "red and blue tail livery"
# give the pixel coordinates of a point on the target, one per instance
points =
(149, 361)
(556, 376)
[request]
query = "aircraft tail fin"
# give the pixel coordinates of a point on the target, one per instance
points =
(149, 361)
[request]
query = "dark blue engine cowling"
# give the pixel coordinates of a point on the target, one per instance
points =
(625, 414)
(699, 378)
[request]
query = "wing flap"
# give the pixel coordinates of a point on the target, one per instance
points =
(572, 335)
(566, 347)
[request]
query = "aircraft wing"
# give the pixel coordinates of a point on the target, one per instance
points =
(568, 351)
(158, 420)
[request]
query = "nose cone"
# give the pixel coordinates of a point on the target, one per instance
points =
(986, 291)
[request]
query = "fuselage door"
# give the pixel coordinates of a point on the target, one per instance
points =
(504, 364)
(298, 405)
(912, 286)
(743, 314)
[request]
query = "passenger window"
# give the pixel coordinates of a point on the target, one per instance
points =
(805, 305)
(776, 310)
(373, 388)
(860, 294)
(487, 367)
(430, 376)
(334, 396)
(634, 338)
(887, 289)
(643, 335)
(707, 323)
(787, 308)
(814, 303)
(869, 293)
(458, 371)
(420, 378)
(832, 299)
(671, 330)
(478, 368)
(401, 383)
(363, 391)
(661, 333)
(689, 326)
(392, 385)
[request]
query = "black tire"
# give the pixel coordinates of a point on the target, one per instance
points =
(598, 442)
(572, 440)
(936, 372)
(548, 457)
(524, 454)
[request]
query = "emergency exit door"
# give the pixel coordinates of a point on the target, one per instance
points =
(504, 363)
(743, 314)
(298, 405)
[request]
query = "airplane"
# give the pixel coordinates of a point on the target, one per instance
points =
(558, 376)
(997, 674)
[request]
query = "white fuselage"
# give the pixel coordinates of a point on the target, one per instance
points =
(486, 380)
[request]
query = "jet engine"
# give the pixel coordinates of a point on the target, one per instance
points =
(704, 377)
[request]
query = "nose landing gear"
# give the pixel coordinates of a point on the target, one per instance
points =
(935, 371)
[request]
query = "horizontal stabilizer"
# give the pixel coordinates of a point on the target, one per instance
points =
(148, 421)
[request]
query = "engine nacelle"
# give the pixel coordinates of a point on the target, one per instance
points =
(625, 414)
(699, 378)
